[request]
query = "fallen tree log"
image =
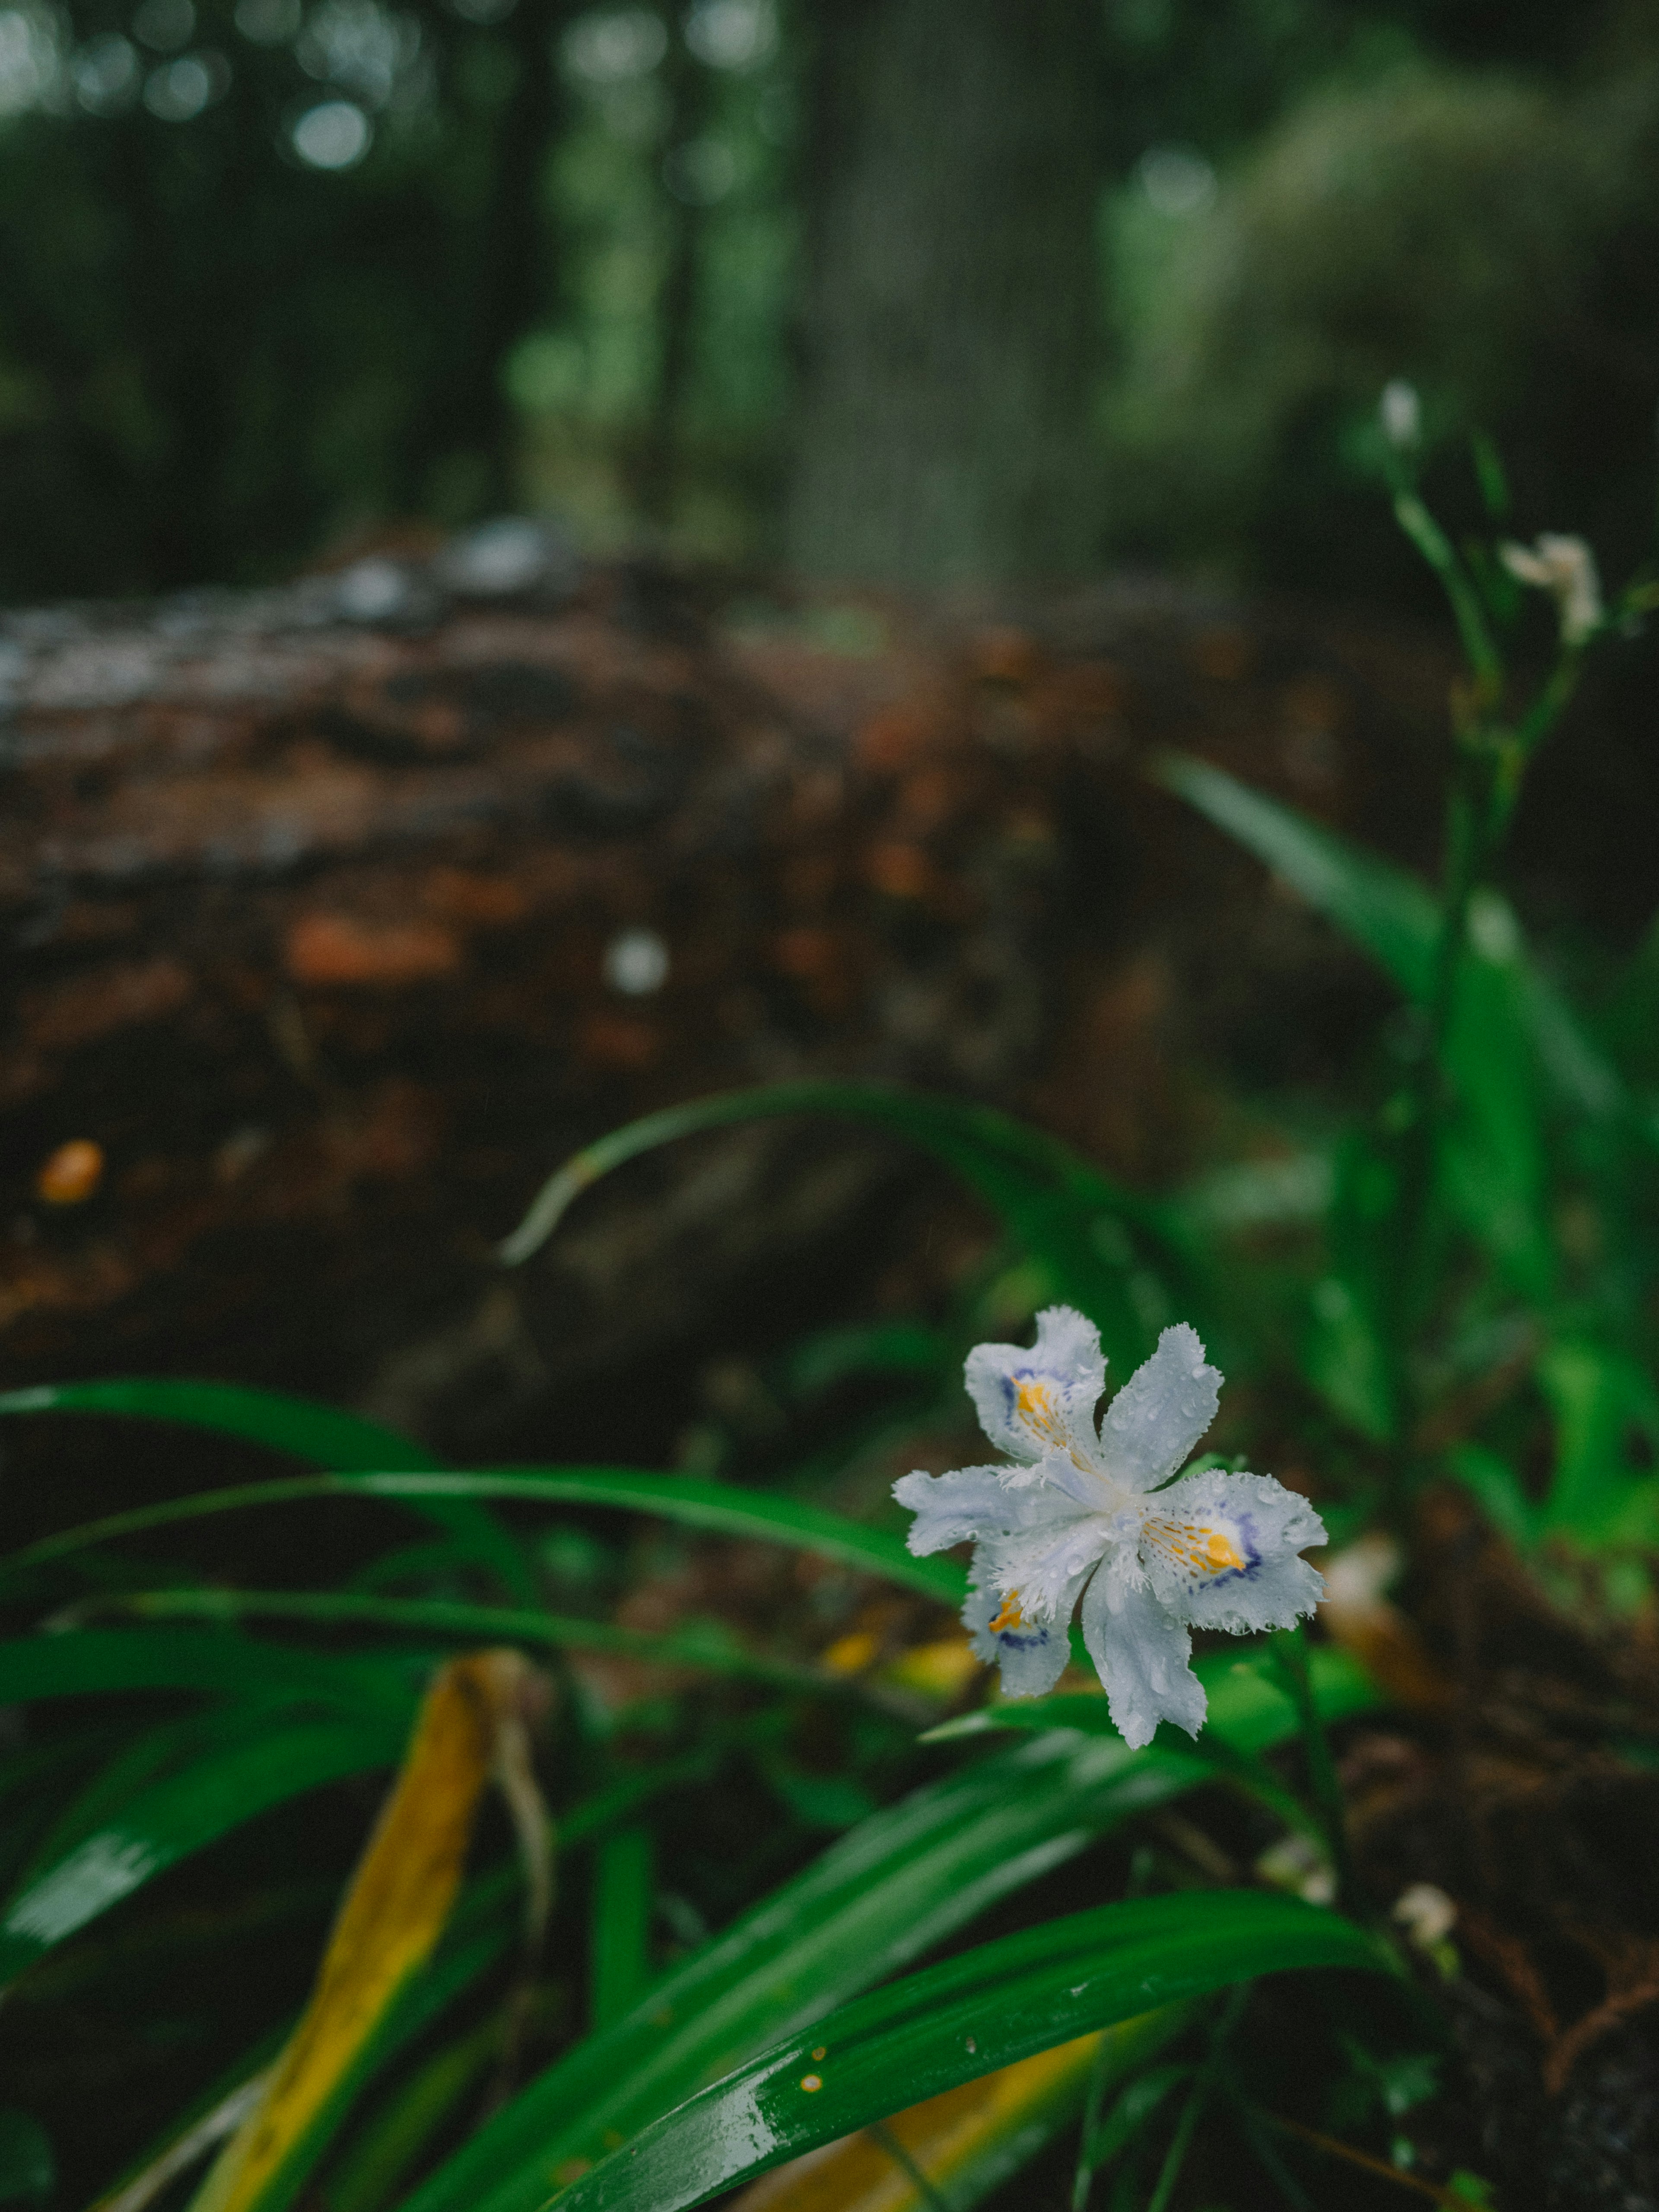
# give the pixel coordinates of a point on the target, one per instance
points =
(338, 914)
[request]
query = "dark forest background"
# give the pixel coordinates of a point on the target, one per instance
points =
(925, 292)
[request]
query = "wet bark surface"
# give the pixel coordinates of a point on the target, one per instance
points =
(318, 931)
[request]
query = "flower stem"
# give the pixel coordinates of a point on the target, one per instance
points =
(1179, 2143)
(881, 2133)
(1290, 1651)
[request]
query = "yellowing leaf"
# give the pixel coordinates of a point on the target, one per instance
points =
(471, 1725)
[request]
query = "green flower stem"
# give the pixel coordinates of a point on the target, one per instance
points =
(925, 2189)
(1479, 647)
(1179, 2143)
(1491, 761)
(1289, 1650)
(1250, 2120)
(1214, 2075)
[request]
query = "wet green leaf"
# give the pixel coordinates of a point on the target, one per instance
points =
(878, 1899)
(986, 2008)
(707, 1644)
(165, 1821)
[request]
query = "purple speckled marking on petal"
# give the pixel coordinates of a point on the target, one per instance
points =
(1008, 1640)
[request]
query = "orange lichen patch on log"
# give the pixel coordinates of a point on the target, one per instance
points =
(1225, 654)
(901, 872)
(1083, 693)
(1004, 655)
(86, 1007)
(931, 797)
(480, 901)
(900, 736)
(325, 949)
(809, 955)
(70, 1176)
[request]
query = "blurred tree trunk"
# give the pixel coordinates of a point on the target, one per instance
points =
(511, 274)
(949, 329)
(686, 82)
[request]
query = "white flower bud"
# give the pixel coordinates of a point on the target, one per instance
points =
(1565, 568)
(1400, 412)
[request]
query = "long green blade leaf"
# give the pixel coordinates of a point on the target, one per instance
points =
(298, 1426)
(169, 1821)
(687, 1499)
(94, 1662)
(1100, 1245)
(714, 1649)
(1394, 916)
(957, 2020)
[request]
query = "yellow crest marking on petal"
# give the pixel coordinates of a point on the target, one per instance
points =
(1035, 1409)
(1010, 1616)
(1221, 1552)
(1037, 1414)
(1196, 1549)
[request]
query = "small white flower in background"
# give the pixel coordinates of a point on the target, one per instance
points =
(636, 962)
(1426, 1914)
(1400, 412)
(1078, 1514)
(1565, 568)
(1298, 1863)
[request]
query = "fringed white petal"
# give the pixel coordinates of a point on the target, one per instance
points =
(1041, 1569)
(1220, 1551)
(1032, 1656)
(1142, 1655)
(974, 1503)
(1161, 1411)
(971, 1501)
(1031, 1403)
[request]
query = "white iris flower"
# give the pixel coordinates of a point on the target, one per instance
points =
(1081, 1506)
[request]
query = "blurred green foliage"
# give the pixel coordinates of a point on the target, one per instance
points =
(277, 274)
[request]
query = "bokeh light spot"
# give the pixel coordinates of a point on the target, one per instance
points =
(31, 63)
(1176, 179)
(178, 90)
(636, 962)
(105, 74)
(334, 135)
(614, 44)
(732, 35)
